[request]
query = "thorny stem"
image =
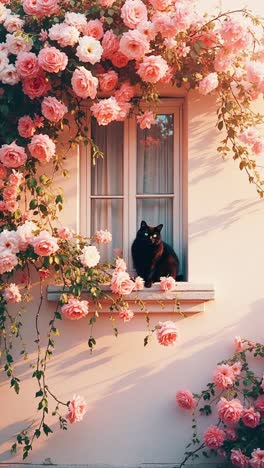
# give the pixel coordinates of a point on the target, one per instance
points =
(190, 454)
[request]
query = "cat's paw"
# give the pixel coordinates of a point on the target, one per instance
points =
(148, 284)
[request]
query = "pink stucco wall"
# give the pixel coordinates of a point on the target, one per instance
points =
(130, 390)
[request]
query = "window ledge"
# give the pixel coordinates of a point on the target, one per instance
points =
(186, 297)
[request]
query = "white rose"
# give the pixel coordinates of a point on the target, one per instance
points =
(89, 50)
(90, 256)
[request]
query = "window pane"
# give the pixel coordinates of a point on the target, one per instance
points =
(155, 157)
(157, 211)
(107, 174)
(108, 214)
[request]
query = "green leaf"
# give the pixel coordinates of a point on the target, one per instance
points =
(33, 204)
(109, 20)
(220, 125)
(32, 182)
(39, 393)
(46, 429)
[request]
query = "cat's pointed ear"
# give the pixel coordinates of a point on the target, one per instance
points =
(159, 227)
(143, 225)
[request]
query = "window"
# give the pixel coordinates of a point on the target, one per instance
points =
(140, 177)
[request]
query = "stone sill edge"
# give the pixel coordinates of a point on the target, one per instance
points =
(184, 292)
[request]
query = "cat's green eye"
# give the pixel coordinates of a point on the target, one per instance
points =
(146, 234)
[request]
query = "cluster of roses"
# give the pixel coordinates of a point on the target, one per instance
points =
(232, 415)
(83, 46)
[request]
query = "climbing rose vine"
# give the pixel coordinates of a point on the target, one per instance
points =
(115, 55)
(235, 397)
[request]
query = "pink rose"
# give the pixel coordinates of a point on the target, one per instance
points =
(236, 367)
(103, 237)
(223, 61)
(223, 376)
(78, 20)
(64, 34)
(44, 273)
(18, 43)
(84, 84)
(12, 155)
(30, 7)
(259, 404)
(185, 399)
(262, 383)
(12, 294)
(52, 59)
(94, 28)
(52, 109)
(89, 50)
(164, 25)
(119, 60)
(236, 35)
(76, 409)
(13, 23)
(229, 411)
(249, 136)
(255, 72)
(250, 417)
(183, 16)
(133, 12)
(238, 344)
(44, 244)
(110, 44)
(25, 234)
(105, 111)
(257, 460)
(36, 87)
(214, 437)
(26, 127)
(152, 69)
(146, 120)
(11, 205)
(3, 172)
(65, 232)
(208, 84)
(160, 4)
(27, 65)
(108, 81)
(121, 283)
(10, 193)
(133, 45)
(230, 433)
(120, 265)
(9, 241)
(167, 333)
(106, 3)
(47, 8)
(125, 92)
(75, 309)
(125, 108)
(239, 459)
(258, 146)
(167, 283)
(2, 205)
(138, 283)
(42, 148)
(126, 314)
(8, 261)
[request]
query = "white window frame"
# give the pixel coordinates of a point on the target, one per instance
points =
(165, 106)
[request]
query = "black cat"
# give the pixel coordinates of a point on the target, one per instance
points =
(152, 257)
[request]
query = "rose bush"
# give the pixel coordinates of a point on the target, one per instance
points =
(238, 405)
(116, 54)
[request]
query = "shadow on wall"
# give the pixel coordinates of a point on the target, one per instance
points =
(132, 416)
(224, 218)
(202, 134)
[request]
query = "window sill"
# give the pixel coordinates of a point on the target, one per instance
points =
(186, 297)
